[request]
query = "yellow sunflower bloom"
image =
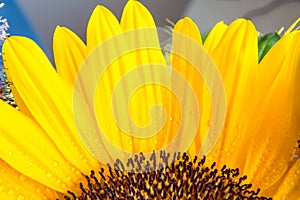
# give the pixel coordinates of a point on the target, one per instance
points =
(51, 146)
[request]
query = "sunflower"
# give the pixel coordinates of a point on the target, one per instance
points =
(46, 154)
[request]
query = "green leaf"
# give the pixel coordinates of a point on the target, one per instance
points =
(265, 43)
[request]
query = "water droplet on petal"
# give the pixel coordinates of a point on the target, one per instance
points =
(54, 163)
(49, 174)
(29, 164)
(11, 192)
(58, 181)
(2, 188)
(22, 178)
(64, 186)
(239, 126)
(123, 155)
(96, 141)
(48, 190)
(69, 178)
(172, 118)
(20, 197)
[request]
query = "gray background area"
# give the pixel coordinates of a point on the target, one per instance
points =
(267, 15)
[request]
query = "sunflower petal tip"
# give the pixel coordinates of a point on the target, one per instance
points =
(60, 30)
(97, 10)
(15, 39)
(134, 3)
(57, 30)
(186, 21)
(188, 27)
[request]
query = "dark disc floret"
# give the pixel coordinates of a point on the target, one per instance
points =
(297, 152)
(183, 178)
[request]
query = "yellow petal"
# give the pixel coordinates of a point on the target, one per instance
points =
(189, 28)
(69, 52)
(15, 185)
(29, 150)
(199, 73)
(47, 96)
(135, 15)
(276, 126)
(290, 185)
(236, 57)
(102, 25)
(214, 36)
(138, 110)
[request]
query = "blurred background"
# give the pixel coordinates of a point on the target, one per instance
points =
(38, 18)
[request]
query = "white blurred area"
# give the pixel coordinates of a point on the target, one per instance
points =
(268, 15)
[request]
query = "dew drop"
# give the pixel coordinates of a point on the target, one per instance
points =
(2, 188)
(69, 178)
(58, 181)
(54, 163)
(49, 174)
(11, 192)
(64, 186)
(123, 155)
(96, 141)
(9, 153)
(48, 190)
(20, 197)
(29, 164)
(38, 190)
(177, 125)
(22, 178)
(239, 126)
(172, 118)
(292, 184)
